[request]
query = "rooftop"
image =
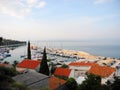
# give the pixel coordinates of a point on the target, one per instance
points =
(30, 64)
(56, 82)
(33, 79)
(95, 68)
(83, 64)
(103, 71)
(62, 72)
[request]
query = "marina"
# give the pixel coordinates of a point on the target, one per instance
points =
(54, 55)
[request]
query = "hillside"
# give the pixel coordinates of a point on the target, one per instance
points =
(4, 41)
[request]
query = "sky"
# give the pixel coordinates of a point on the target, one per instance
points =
(60, 19)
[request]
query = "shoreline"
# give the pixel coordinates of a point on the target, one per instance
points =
(79, 54)
(86, 57)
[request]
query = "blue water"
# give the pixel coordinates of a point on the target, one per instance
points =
(95, 48)
(106, 50)
(15, 54)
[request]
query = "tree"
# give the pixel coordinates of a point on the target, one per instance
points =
(15, 63)
(64, 66)
(28, 51)
(44, 69)
(6, 81)
(1, 39)
(71, 84)
(92, 82)
(115, 85)
(52, 68)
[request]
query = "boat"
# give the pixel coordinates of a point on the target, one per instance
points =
(22, 56)
(1, 56)
(7, 55)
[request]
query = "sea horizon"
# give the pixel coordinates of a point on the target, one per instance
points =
(98, 48)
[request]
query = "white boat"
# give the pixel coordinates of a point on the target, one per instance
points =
(6, 55)
(1, 57)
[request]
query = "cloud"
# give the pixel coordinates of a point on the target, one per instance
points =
(31, 1)
(101, 1)
(19, 8)
(41, 4)
(5, 10)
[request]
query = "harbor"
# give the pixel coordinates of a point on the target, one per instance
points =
(10, 53)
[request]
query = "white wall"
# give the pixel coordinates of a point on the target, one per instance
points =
(72, 74)
(105, 79)
(84, 68)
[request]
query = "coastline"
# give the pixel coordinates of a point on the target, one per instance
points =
(94, 48)
(87, 57)
(79, 54)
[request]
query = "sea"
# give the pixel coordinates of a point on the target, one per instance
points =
(95, 48)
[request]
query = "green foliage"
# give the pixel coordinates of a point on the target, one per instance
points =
(5, 78)
(49, 60)
(6, 81)
(115, 85)
(19, 86)
(1, 39)
(64, 66)
(28, 51)
(44, 69)
(10, 42)
(52, 68)
(7, 71)
(92, 82)
(71, 84)
(15, 64)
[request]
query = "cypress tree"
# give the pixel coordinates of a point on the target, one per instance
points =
(1, 39)
(44, 69)
(28, 51)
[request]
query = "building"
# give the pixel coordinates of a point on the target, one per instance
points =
(28, 64)
(117, 74)
(105, 72)
(81, 68)
(84, 66)
(33, 80)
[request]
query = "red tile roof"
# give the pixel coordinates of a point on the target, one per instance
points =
(30, 64)
(55, 82)
(62, 72)
(103, 71)
(96, 69)
(82, 64)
